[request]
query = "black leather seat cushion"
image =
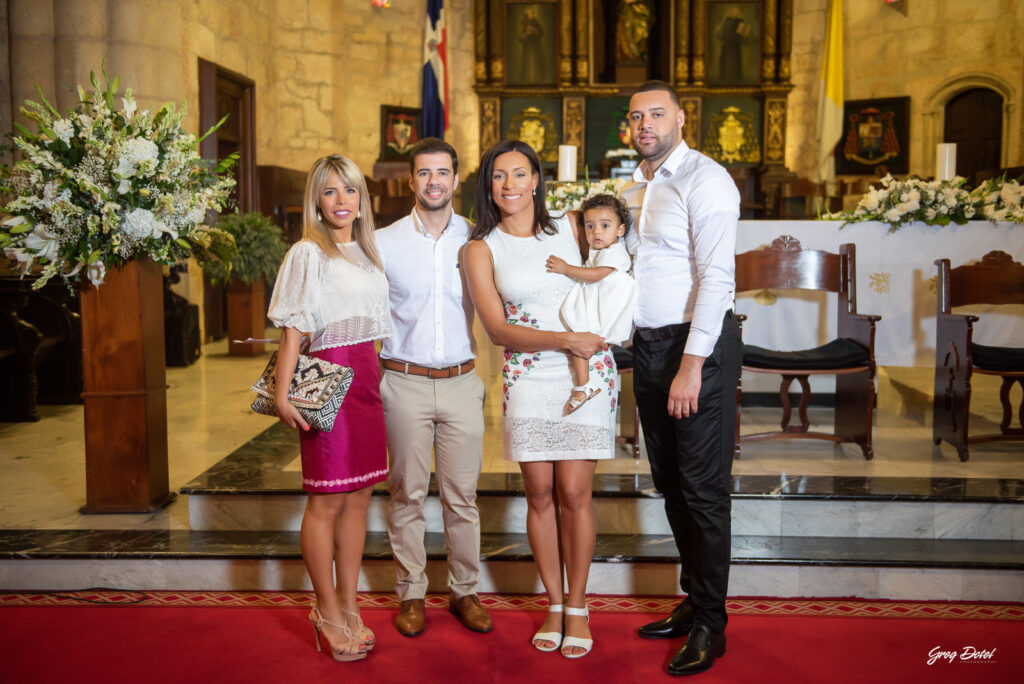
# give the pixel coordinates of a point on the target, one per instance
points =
(1006, 359)
(836, 354)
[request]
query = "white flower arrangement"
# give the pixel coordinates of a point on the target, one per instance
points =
(1000, 200)
(936, 203)
(569, 195)
(96, 188)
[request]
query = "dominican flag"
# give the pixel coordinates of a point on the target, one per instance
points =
(435, 71)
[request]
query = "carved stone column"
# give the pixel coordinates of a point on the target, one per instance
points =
(691, 107)
(490, 122)
(700, 13)
(565, 42)
(573, 118)
(775, 131)
(480, 40)
(582, 43)
(785, 38)
(497, 42)
(682, 70)
(768, 32)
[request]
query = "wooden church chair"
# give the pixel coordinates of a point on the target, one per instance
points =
(392, 199)
(853, 190)
(785, 265)
(624, 364)
(997, 279)
(799, 199)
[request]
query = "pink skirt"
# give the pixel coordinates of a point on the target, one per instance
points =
(354, 454)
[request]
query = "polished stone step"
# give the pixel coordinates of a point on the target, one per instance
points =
(258, 487)
(762, 506)
(623, 564)
(617, 514)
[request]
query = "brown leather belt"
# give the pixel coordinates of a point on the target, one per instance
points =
(432, 373)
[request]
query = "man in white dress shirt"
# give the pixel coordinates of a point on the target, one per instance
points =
(687, 358)
(431, 392)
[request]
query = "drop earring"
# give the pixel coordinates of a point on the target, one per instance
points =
(319, 216)
(534, 192)
(359, 214)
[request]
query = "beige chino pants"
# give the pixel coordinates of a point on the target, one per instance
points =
(448, 415)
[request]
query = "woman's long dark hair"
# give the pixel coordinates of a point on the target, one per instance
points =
(488, 215)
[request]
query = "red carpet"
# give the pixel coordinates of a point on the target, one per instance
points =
(228, 637)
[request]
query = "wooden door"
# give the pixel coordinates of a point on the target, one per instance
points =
(223, 92)
(974, 121)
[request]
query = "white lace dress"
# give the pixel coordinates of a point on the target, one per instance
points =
(536, 385)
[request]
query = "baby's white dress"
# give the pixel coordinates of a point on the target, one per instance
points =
(606, 306)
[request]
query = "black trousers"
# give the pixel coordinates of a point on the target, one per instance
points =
(691, 458)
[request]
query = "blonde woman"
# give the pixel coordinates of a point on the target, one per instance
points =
(331, 288)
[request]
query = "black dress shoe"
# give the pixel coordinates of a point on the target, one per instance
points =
(699, 652)
(675, 626)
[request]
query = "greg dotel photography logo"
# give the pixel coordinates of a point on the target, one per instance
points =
(965, 654)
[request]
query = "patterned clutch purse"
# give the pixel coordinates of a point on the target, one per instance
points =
(317, 390)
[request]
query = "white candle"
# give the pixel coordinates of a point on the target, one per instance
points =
(945, 161)
(567, 162)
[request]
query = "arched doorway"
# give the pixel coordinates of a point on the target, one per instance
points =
(974, 121)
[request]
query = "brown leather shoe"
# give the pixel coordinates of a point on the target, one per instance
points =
(470, 613)
(411, 620)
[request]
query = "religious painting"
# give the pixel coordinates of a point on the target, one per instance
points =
(530, 39)
(633, 31)
(400, 129)
(535, 121)
(875, 134)
(734, 43)
(607, 128)
(731, 130)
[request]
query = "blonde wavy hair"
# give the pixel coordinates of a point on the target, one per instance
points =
(315, 229)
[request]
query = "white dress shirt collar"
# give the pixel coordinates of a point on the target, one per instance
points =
(418, 222)
(667, 168)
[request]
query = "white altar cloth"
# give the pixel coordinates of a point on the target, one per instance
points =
(895, 279)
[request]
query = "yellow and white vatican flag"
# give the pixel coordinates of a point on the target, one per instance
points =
(830, 100)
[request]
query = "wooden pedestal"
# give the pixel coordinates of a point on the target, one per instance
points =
(125, 391)
(246, 316)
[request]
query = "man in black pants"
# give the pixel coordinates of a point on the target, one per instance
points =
(687, 358)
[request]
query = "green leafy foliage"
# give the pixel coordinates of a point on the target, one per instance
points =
(260, 246)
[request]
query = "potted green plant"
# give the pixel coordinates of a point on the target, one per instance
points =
(261, 249)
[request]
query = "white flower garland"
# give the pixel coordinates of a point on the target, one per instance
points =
(936, 203)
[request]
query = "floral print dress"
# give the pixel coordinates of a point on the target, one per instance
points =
(536, 385)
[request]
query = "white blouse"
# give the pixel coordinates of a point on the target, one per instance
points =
(341, 301)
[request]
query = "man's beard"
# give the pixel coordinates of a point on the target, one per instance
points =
(661, 147)
(435, 205)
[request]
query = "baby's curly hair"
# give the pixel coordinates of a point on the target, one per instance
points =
(612, 202)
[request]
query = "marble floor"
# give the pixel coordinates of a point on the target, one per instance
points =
(208, 415)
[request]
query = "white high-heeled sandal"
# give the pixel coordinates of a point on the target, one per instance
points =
(553, 637)
(571, 641)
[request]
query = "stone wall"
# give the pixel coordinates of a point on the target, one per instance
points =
(322, 68)
(939, 48)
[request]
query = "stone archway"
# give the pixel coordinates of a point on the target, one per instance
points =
(935, 112)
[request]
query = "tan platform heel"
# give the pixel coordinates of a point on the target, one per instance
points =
(362, 632)
(348, 650)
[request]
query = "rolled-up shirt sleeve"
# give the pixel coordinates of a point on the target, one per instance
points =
(714, 209)
(296, 302)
